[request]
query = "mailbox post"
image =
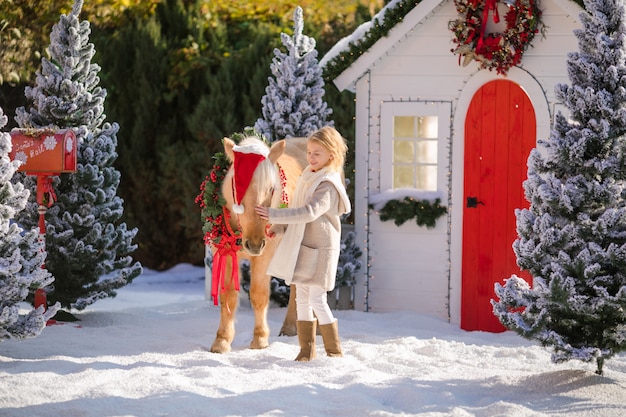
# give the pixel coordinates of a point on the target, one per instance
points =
(44, 153)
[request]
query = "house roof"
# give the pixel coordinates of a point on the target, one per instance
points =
(353, 55)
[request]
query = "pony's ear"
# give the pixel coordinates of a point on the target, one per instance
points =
(228, 149)
(277, 150)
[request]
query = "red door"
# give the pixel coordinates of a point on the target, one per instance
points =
(500, 131)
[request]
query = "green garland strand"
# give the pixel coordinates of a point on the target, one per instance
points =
(425, 212)
(343, 60)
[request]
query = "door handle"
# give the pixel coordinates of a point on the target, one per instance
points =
(472, 202)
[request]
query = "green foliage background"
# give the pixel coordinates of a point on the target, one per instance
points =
(180, 75)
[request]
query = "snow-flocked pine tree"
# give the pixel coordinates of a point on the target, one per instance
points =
(21, 255)
(88, 247)
(293, 104)
(572, 239)
(349, 263)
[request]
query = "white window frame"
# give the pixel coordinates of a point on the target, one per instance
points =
(391, 109)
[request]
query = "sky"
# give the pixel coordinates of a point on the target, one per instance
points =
(146, 353)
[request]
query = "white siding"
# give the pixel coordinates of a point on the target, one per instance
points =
(407, 264)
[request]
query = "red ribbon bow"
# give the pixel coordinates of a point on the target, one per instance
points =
(489, 5)
(227, 247)
(45, 191)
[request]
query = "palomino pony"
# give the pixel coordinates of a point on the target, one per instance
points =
(258, 247)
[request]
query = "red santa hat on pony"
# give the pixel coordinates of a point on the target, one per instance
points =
(247, 159)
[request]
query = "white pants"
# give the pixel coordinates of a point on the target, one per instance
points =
(313, 299)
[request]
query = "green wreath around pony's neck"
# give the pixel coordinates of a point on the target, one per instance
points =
(210, 199)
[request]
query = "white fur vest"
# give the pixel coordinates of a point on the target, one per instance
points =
(309, 250)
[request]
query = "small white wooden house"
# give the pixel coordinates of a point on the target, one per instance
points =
(428, 126)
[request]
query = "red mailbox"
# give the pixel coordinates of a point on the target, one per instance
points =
(44, 150)
(44, 153)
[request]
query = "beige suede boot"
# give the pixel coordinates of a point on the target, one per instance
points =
(330, 336)
(306, 338)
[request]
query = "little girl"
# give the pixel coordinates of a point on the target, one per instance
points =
(308, 253)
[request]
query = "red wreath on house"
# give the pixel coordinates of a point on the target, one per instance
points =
(499, 51)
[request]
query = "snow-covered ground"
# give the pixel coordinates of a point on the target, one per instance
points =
(146, 353)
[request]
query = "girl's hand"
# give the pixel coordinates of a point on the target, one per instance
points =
(263, 212)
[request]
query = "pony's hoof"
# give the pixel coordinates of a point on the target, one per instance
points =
(287, 330)
(259, 344)
(220, 346)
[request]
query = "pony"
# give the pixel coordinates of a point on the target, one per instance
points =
(275, 176)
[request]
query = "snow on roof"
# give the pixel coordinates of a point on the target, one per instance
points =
(360, 32)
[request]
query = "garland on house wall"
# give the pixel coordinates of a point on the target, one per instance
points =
(425, 212)
(499, 51)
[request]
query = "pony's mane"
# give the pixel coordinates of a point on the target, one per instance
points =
(266, 173)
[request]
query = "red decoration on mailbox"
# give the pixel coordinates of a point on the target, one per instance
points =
(44, 150)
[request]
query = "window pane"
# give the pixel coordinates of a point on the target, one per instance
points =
(403, 176)
(428, 127)
(404, 127)
(427, 151)
(427, 177)
(403, 151)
